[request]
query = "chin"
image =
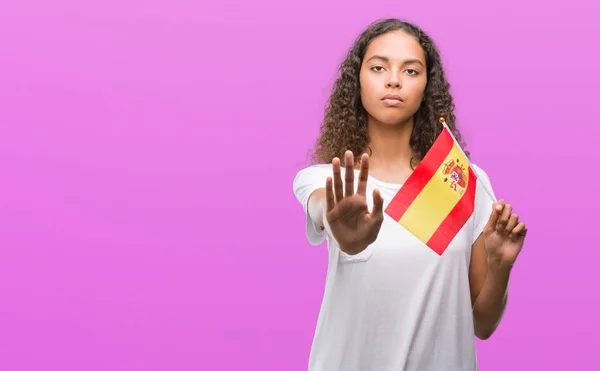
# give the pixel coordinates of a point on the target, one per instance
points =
(391, 119)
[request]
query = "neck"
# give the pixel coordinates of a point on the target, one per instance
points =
(390, 144)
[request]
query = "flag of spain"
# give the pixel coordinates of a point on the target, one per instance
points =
(439, 196)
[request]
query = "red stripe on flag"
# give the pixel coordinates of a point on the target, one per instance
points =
(457, 218)
(421, 176)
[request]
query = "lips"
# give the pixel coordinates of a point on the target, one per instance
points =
(392, 100)
(393, 97)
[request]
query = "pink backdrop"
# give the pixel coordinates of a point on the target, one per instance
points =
(147, 153)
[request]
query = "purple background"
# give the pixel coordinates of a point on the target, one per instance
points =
(148, 148)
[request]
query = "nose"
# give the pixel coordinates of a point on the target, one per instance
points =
(394, 81)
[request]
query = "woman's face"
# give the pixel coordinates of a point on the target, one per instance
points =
(393, 77)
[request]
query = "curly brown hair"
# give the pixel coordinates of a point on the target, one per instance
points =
(345, 123)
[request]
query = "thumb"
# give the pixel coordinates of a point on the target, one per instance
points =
(494, 215)
(377, 203)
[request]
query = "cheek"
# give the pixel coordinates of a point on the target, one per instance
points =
(417, 92)
(368, 91)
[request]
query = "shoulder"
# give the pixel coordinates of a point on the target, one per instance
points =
(484, 199)
(313, 172)
(309, 179)
(316, 168)
(482, 175)
(480, 172)
(485, 194)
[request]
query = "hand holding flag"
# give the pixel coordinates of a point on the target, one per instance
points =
(504, 234)
(439, 197)
(347, 213)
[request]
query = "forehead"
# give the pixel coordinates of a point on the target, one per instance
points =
(396, 45)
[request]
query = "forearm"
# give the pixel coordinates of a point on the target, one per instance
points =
(491, 302)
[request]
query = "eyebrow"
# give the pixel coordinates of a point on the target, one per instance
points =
(386, 59)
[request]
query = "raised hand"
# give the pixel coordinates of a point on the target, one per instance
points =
(504, 234)
(347, 212)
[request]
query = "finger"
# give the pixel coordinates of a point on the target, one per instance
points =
(519, 230)
(503, 220)
(363, 175)
(329, 198)
(349, 160)
(512, 223)
(494, 215)
(337, 180)
(377, 204)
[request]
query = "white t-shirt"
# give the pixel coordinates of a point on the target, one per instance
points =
(398, 305)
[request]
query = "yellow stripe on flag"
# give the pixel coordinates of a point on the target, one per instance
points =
(437, 199)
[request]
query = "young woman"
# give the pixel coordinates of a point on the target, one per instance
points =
(390, 302)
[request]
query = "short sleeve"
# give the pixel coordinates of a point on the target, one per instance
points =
(305, 183)
(483, 202)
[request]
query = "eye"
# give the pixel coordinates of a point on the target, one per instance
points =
(377, 68)
(412, 72)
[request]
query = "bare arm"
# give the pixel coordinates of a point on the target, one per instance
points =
(492, 258)
(489, 290)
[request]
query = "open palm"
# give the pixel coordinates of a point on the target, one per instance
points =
(347, 212)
